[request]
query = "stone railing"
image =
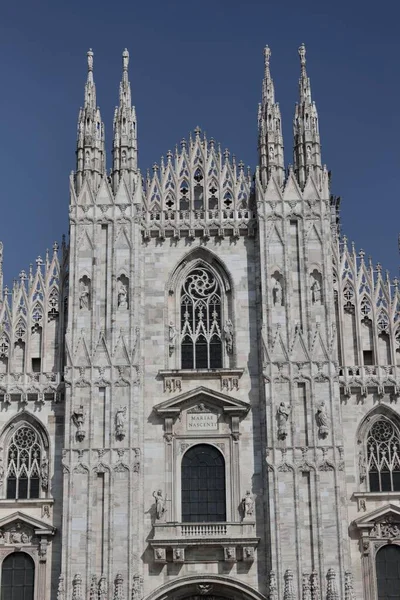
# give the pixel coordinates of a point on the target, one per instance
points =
(189, 223)
(236, 541)
(385, 379)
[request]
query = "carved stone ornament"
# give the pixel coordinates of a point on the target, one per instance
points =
(248, 553)
(44, 472)
(272, 586)
(228, 336)
(172, 335)
(160, 505)
(178, 554)
(78, 417)
(288, 592)
(160, 555)
(321, 418)
(137, 587)
(230, 553)
(204, 588)
(17, 533)
(388, 528)
(103, 588)
(119, 587)
(247, 506)
(61, 588)
(84, 293)
(77, 593)
(282, 417)
(120, 417)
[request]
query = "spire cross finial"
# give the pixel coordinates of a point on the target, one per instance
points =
(125, 59)
(90, 59)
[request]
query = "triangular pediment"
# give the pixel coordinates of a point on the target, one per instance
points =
(38, 526)
(203, 395)
(389, 512)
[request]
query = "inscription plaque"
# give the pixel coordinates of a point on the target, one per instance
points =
(201, 421)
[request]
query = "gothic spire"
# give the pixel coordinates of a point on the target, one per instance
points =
(124, 146)
(307, 146)
(270, 140)
(90, 151)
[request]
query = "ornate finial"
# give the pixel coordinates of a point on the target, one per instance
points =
(273, 588)
(288, 593)
(90, 59)
(302, 54)
(348, 586)
(183, 143)
(306, 589)
(197, 131)
(379, 267)
(169, 156)
(331, 588)
(361, 254)
(155, 167)
(226, 154)
(55, 247)
(125, 59)
(267, 55)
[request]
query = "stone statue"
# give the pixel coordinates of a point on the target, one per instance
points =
(282, 414)
(316, 292)
(247, 505)
(277, 293)
(271, 153)
(228, 333)
(78, 416)
(44, 472)
(172, 333)
(84, 295)
(322, 420)
(308, 152)
(120, 423)
(160, 504)
(122, 296)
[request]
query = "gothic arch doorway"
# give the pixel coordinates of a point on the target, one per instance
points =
(388, 572)
(17, 577)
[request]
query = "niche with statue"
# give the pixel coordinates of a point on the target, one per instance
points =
(316, 287)
(278, 298)
(123, 292)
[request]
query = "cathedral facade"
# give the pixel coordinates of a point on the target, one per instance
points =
(199, 393)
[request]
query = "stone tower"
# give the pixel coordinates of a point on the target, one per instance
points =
(198, 395)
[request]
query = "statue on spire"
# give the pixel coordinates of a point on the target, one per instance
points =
(90, 59)
(302, 54)
(125, 59)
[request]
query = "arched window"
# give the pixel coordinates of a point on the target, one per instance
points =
(388, 572)
(27, 464)
(17, 577)
(203, 485)
(383, 457)
(201, 321)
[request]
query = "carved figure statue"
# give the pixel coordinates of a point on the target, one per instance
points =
(228, 333)
(160, 504)
(308, 152)
(277, 293)
(123, 158)
(362, 466)
(78, 416)
(271, 153)
(247, 505)
(322, 420)
(120, 422)
(44, 472)
(84, 295)
(316, 292)
(122, 296)
(282, 417)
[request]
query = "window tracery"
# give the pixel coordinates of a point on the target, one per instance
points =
(27, 464)
(383, 457)
(201, 307)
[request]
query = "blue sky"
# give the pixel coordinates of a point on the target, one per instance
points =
(198, 63)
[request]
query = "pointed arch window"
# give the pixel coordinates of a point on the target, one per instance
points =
(383, 457)
(27, 465)
(201, 346)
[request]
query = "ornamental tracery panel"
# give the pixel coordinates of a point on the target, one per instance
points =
(201, 318)
(27, 464)
(383, 457)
